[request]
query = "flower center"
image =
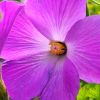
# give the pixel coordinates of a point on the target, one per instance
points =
(58, 48)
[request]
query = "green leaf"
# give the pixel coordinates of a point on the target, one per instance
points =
(89, 92)
(96, 1)
(87, 10)
(3, 92)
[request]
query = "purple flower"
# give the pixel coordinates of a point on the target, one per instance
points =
(48, 48)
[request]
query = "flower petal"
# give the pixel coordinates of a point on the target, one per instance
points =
(23, 39)
(55, 16)
(63, 83)
(26, 77)
(83, 43)
(8, 11)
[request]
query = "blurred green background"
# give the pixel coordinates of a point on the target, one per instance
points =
(93, 7)
(87, 91)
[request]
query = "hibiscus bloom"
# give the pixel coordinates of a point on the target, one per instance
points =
(48, 48)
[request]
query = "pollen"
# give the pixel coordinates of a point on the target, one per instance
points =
(58, 48)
